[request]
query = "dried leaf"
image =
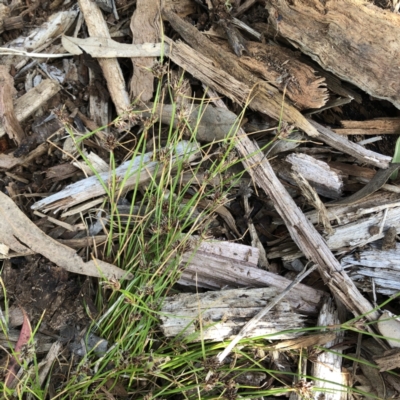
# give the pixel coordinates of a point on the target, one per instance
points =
(102, 47)
(389, 327)
(24, 336)
(19, 233)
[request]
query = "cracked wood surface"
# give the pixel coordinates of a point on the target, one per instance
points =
(355, 40)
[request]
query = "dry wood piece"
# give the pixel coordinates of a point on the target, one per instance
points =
(7, 114)
(110, 67)
(145, 29)
(217, 264)
(301, 230)
(357, 41)
(216, 316)
(8, 161)
(321, 177)
(42, 36)
(101, 47)
(216, 65)
(353, 149)
(142, 165)
(313, 199)
(209, 123)
(180, 7)
(22, 235)
(378, 126)
(352, 225)
(327, 367)
(31, 101)
(374, 269)
(284, 70)
(390, 360)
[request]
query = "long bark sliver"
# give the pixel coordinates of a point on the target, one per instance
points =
(145, 29)
(301, 230)
(260, 94)
(110, 67)
(132, 172)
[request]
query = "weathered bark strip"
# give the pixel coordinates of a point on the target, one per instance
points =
(353, 149)
(145, 29)
(88, 188)
(216, 316)
(284, 70)
(355, 40)
(301, 230)
(110, 67)
(259, 94)
(7, 114)
(27, 104)
(378, 126)
(214, 266)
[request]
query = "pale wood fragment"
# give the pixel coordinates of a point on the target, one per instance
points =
(341, 143)
(217, 264)
(7, 114)
(143, 165)
(110, 67)
(349, 236)
(327, 368)
(145, 28)
(31, 101)
(301, 230)
(318, 173)
(351, 38)
(56, 25)
(380, 266)
(218, 316)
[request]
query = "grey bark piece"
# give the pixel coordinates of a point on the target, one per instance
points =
(301, 230)
(219, 316)
(321, 177)
(210, 123)
(88, 188)
(327, 369)
(341, 143)
(217, 264)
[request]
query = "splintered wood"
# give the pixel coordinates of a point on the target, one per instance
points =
(219, 316)
(131, 172)
(354, 39)
(216, 264)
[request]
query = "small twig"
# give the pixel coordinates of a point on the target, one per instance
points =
(257, 318)
(4, 51)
